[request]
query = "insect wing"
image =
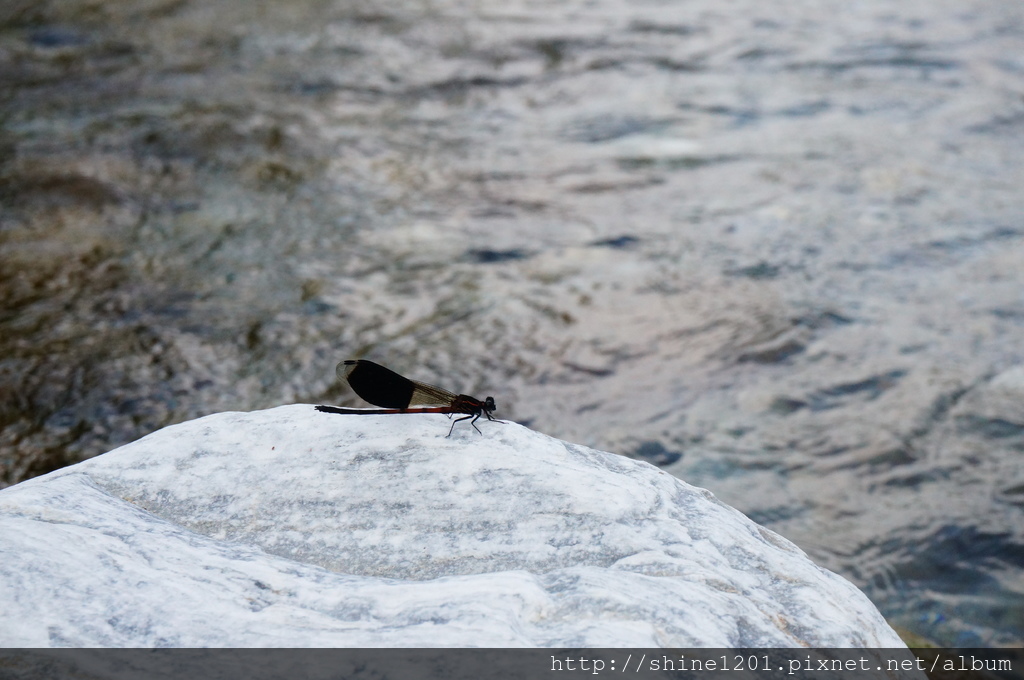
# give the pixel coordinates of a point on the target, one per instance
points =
(428, 395)
(377, 385)
(383, 387)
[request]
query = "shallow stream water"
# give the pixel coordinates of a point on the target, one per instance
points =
(776, 248)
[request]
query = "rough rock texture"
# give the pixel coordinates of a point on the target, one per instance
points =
(294, 528)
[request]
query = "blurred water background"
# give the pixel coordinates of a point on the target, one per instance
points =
(776, 248)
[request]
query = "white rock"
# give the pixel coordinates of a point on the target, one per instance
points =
(290, 527)
(1010, 380)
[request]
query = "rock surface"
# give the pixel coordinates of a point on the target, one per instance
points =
(289, 527)
(776, 247)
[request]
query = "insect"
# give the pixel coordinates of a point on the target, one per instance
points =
(395, 394)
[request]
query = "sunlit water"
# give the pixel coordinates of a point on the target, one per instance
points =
(775, 248)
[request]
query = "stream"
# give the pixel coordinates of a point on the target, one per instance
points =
(776, 249)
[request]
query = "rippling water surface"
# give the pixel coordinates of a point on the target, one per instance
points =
(775, 248)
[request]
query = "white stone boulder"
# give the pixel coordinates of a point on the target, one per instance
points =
(290, 527)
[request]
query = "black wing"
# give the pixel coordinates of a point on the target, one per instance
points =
(383, 387)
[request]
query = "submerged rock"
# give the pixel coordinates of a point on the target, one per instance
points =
(289, 527)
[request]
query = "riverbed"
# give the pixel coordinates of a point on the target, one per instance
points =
(776, 249)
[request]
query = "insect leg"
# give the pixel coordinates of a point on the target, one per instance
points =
(493, 419)
(459, 420)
